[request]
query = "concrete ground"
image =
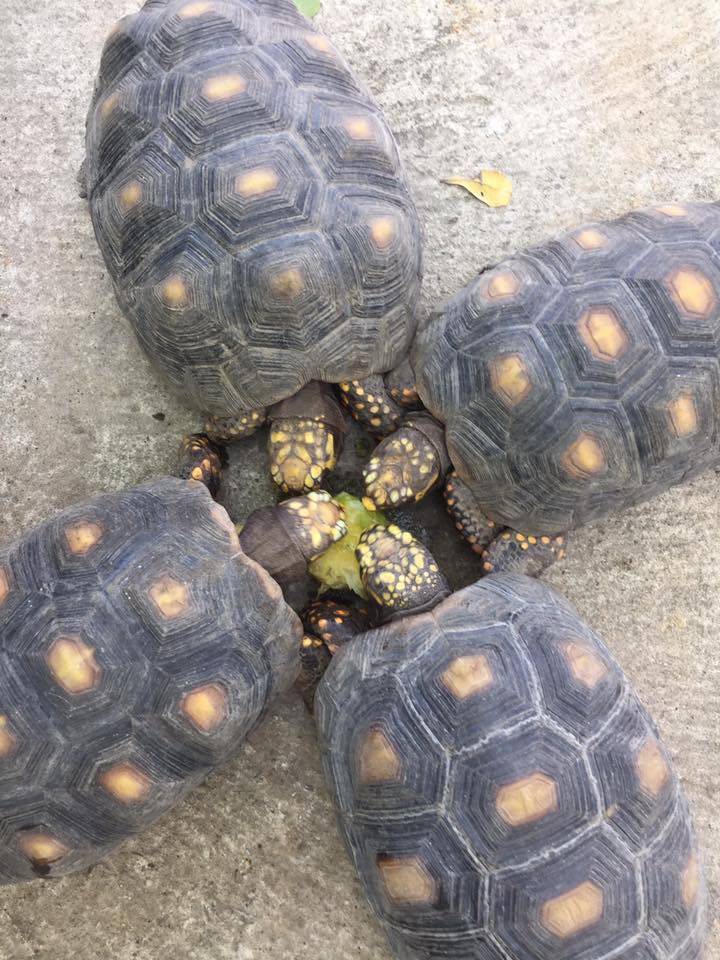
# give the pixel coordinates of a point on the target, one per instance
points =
(592, 108)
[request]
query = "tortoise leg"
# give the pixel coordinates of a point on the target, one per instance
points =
(512, 552)
(200, 459)
(370, 403)
(336, 622)
(305, 438)
(398, 572)
(379, 403)
(329, 625)
(502, 550)
(472, 524)
(230, 429)
(400, 383)
(406, 465)
(314, 660)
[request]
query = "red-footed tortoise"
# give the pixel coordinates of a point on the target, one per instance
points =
(140, 641)
(250, 205)
(579, 377)
(502, 792)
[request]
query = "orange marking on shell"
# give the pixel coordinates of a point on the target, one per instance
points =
(590, 239)
(603, 333)
(406, 880)
(170, 596)
(288, 284)
(652, 768)
(527, 800)
(585, 665)
(683, 415)
(206, 707)
(502, 284)
(468, 675)
(4, 585)
(130, 195)
(359, 128)
(584, 456)
(126, 782)
(82, 536)
(194, 9)
(318, 42)
(224, 87)
(509, 377)
(40, 847)
(379, 761)
(692, 291)
(672, 210)
(109, 105)
(72, 665)
(174, 291)
(382, 231)
(8, 741)
(574, 911)
(690, 881)
(257, 182)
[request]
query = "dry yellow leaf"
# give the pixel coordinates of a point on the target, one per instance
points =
(491, 186)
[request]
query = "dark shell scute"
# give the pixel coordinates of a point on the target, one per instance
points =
(555, 826)
(583, 376)
(138, 646)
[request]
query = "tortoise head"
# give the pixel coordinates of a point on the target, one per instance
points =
(398, 572)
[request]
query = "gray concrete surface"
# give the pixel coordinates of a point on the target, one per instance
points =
(592, 108)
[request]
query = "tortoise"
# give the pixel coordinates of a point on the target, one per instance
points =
(140, 641)
(254, 217)
(500, 788)
(579, 377)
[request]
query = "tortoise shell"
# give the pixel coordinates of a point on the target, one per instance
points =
(249, 202)
(502, 792)
(583, 376)
(138, 646)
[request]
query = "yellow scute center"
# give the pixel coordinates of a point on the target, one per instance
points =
(256, 182)
(579, 908)
(41, 848)
(206, 707)
(224, 87)
(126, 782)
(468, 675)
(72, 665)
(683, 415)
